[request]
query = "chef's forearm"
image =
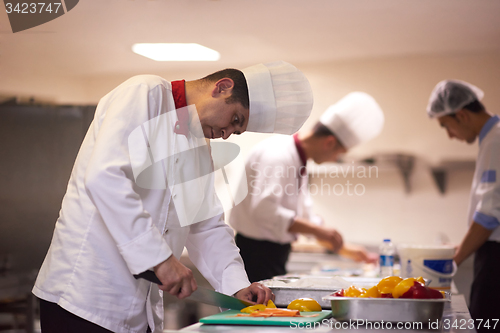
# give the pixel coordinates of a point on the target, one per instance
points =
(303, 226)
(476, 236)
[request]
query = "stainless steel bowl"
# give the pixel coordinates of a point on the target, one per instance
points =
(286, 292)
(386, 309)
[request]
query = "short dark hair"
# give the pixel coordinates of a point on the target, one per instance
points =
(475, 106)
(320, 131)
(240, 89)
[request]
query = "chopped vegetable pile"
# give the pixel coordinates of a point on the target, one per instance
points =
(272, 312)
(393, 287)
(269, 310)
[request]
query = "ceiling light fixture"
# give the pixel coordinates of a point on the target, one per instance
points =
(176, 52)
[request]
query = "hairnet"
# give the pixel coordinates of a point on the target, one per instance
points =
(449, 96)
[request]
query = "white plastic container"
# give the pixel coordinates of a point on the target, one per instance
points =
(432, 262)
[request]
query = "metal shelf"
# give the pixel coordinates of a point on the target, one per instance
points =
(402, 163)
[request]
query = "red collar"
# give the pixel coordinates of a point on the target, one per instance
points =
(302, 153)
(179, 92)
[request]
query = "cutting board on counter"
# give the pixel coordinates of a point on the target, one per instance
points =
(229, 318)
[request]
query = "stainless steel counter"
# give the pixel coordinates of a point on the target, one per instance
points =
(456, 318)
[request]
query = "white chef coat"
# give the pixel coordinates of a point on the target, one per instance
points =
(276, 192)
(484, 205)
(109, 228)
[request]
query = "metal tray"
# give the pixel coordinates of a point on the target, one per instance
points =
(285, 294)
(386, 309)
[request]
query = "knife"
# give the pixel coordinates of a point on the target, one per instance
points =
(203, 295)
(212, 297)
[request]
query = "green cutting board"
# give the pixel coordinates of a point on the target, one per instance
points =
(229, 318)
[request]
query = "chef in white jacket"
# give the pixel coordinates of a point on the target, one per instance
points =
(278, 206)
(457, 107)
(140, 192)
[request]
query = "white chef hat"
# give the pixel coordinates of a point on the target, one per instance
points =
(354, 119)
(280, 96)
(449, 96)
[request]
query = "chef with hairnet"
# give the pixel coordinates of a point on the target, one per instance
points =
(278, 206)
(142, 189)
(457, 107)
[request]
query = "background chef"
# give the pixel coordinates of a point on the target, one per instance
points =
(456, 106)
(278, 206)
(144, 133)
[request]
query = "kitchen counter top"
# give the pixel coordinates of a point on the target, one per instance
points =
(455, 314)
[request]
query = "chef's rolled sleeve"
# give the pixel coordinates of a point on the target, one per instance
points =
(140, 247)
(109, 178)
(488, 222)
(287, 217)
(487, 210)
(271, 216)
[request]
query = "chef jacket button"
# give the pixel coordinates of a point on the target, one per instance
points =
(176, 160)
(174, 195)
(177, 127)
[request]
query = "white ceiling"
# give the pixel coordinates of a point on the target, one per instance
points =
(95, 38)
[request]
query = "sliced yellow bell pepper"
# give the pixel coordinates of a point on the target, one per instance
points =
(270, 304)
(386, 285)
(304, 304)
(254, 308)
(353, 291)
(372, 292)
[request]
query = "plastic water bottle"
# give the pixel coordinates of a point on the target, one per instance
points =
(409, 269)
(386, 261)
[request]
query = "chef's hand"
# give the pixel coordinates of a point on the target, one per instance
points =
(176, 278)
(330, 238)
(358, 253)
(256, 293)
